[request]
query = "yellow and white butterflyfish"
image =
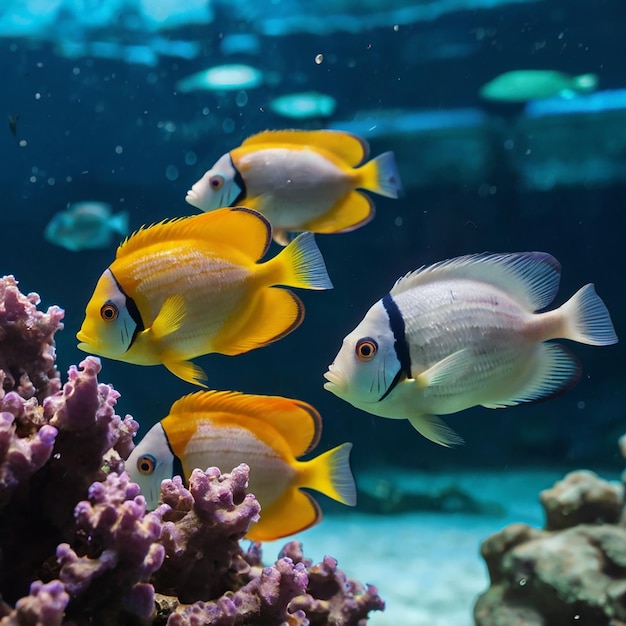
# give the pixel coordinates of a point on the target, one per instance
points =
(225, 428)
(192, 286)
(301, 180)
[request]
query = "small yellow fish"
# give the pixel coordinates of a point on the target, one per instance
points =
(192, 286)
(462, 333)
(268, 433)
(300, 180)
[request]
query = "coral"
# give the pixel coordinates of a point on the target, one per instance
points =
(209, 518)
(118, 552)
(573, 571)
(27, 352)
(76, 543)
(331, 598)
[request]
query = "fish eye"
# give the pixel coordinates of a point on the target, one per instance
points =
(146, 464)
(216, 182)
(366, 348)
(108, 312)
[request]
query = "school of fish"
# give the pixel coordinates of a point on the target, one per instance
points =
(463, 332)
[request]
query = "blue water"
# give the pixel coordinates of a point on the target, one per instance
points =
(97, 116)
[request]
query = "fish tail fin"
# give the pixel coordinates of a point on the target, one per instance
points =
(119, 223)
(587, 320)
(292, 513)
(301, 264)
(381, 176)
(586, 82)
(330, 474)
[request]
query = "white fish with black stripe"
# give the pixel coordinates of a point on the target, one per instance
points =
(465, 332)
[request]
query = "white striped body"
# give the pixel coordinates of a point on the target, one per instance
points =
(462, 333)
(292, 186)
(503, 339)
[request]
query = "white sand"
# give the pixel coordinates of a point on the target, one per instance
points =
(426, 566)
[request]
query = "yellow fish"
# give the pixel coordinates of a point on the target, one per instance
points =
(268, 433)
(192, 286)
(300, 180)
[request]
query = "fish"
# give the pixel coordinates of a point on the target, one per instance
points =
(86, 225)
(13, 120)
(227, 77)
(194, 285)
(466, 332)
(525, 85)
(300, 180)
(268, 433)
(304, 106)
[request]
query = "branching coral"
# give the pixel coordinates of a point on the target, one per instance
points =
(76, 543)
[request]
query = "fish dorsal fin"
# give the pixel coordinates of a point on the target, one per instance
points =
(248, 230)
(348, 147)
(531, 277)
(298, 422)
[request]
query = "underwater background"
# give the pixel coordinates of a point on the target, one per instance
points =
(93, 112)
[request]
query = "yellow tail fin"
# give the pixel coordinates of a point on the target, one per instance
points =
(300, 264)
(381, 176)
(330, 474)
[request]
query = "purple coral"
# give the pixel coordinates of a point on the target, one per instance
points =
(210, 518)
(109, 569)
(27, 350)
(49, 456)
(331, 597)
(44, 606)
(76, 544)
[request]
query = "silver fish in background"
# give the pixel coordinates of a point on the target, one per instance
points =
(85, 225)
(462, 333)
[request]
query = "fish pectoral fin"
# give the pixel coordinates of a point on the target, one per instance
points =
(435, 429)
(186, 370)
(350, 212)
(446, 371)
(292, 513)
(170, 317)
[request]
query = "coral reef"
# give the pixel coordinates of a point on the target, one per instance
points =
(571, 572)
(27, 353)
(77, 545)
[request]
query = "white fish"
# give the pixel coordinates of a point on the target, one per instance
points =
(462, 333)
(86, 225)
